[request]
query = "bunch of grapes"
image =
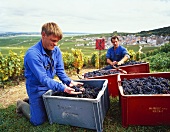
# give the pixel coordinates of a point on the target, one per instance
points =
(146, 85)
(100, 73)
(88, 92)
(132, 62)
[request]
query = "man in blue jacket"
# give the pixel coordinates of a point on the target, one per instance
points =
(116, 55)
(42, 62)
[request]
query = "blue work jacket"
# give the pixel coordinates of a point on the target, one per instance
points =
(116, 55)
(40, 70)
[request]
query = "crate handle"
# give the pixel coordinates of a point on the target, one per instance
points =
(105, 84)
(103, 89)
(118, 69)
(123, 71)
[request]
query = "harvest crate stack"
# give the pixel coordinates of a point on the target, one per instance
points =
(113, 78)
(139, 109)
(112, 81)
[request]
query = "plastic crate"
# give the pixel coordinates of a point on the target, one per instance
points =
(136, 68)
(80, 112)
(112, 83)
(144, 109)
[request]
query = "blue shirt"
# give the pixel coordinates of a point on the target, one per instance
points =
(40, 70)
(116, 55)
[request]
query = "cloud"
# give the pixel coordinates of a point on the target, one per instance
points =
(165, 0)
(85, 15)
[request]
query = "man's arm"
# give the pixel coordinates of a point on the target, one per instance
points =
(112, 63)
(37, 71)
(125, 58)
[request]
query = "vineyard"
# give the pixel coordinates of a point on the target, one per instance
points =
(81, 57)
(12, 51)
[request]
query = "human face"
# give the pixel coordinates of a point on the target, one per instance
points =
(49, 42)
(115, 42)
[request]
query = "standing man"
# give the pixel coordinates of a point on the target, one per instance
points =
(116, 55)
(42, 62)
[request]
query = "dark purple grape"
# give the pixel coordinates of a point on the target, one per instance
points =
(146, 85)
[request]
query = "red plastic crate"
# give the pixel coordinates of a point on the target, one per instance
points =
(112, 83)
(136, 68)
(151, 109)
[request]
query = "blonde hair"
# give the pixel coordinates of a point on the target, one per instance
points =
(52, 28)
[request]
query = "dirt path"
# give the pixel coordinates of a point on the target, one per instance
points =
(11, 94)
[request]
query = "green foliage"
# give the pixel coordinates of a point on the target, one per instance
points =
(95, 59)
(87, 61)
(159, 62)
(3, 68)
(15, 64)
(160, 31)
(165, 48)
(132, 54)
(68, 59)
(155, 51)
(78, 58)
(11, 67)
(103, 59)
(159, 59)
(143, 55)
(137, 56)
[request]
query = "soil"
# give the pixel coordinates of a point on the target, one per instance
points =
(11, 94)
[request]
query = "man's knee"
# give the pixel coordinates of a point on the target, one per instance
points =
(38, 113)
(37, 122)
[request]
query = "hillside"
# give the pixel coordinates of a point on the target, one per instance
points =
(164, 31)
(160, 31)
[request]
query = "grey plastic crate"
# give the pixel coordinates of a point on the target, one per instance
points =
(80, 112)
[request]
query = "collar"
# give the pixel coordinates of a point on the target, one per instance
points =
(42, 49)
(116, 48)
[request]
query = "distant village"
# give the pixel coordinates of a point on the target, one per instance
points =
(152, 40)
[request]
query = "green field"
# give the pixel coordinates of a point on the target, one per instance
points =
(22, 43)
(16, 44)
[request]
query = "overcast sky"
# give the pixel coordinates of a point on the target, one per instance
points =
(90, 16)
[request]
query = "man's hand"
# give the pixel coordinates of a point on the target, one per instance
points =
(71, 91)
(120, 63)
(114, 63)
(73, 83)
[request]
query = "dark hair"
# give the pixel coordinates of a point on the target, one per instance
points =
(115, 37)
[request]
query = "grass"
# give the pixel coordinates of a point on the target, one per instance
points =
(10, 122)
